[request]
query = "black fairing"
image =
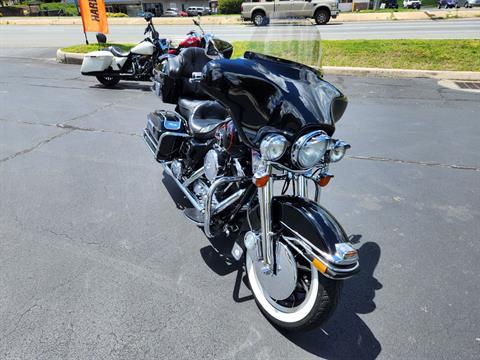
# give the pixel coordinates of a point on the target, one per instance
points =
(265, 91)
(310, 220)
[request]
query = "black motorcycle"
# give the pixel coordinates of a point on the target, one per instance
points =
(241, 126)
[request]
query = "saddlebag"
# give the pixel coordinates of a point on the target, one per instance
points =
(96, 62)
(164, 134)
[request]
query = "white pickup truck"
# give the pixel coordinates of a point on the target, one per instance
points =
(259, 12)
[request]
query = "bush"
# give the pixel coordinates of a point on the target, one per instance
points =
(68, 9)
(116, 15)
(229, 6)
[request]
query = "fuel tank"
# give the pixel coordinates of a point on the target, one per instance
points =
(261, 91)
(144, 48)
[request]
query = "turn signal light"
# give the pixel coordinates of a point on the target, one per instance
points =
(261, 181)
(324, 180)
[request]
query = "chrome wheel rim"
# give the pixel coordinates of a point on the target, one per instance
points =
(292, 309)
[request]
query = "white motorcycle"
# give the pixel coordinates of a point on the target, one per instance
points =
(112, 64)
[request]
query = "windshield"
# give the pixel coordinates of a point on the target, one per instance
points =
(275, 79)
(293, 39)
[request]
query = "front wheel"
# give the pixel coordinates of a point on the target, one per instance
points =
(108, 81)
(303, 298)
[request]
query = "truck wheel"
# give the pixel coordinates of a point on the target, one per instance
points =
(259, 18)
(322, 17)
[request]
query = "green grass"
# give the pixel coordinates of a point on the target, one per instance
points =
(81, 49)
(456, 55)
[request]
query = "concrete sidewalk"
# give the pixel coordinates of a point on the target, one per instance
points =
(232, 20)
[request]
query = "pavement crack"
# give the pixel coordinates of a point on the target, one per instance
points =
(36, 146)
(22, 315)
(413, 162)
(72, 127)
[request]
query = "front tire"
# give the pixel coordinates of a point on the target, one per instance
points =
(108, 81)
(317, 306)
(322, 17)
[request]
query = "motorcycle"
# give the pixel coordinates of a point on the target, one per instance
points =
(241, 127)
(194, 39)
(112, 64)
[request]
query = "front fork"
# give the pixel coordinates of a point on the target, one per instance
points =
(265, 196)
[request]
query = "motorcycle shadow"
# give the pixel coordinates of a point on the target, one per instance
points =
(345, 335)
(123, 85)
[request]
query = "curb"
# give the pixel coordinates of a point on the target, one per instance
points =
(236, 20)
(73, 58)
(402, 73)
(69, 58)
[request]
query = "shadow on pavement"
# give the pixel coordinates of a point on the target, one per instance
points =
(125, 85)
(345, 335)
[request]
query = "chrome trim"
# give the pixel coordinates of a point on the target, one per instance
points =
(335, 259)
(209, 201)
(191, 197)
(301, 186)
(150, 141)
(197, 174)
(227, 202)
(268, 141)
(168, 133)
(300, 143)
(265, 195)
(333, 270)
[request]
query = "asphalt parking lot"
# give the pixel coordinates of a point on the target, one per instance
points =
(97, 262)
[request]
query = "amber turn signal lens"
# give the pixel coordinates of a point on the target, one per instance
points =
(324, 180)
(261, 181)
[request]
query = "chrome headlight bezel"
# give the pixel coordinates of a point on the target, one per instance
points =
(273, 146)
(314, 138)
(338, 150)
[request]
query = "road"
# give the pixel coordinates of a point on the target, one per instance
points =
(97, 262)
(63, 35)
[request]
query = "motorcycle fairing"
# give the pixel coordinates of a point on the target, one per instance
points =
(266, 91)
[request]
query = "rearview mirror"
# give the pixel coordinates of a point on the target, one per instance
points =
(101, 39)
(196, 22)
(148, 16)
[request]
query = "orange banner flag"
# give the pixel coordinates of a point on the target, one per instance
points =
(94, 16)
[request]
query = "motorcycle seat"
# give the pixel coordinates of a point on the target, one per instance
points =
(186, 106)
(205, 119)
(118, 52)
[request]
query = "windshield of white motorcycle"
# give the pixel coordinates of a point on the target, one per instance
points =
(274, 78)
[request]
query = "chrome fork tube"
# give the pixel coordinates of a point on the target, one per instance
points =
(301, 186)
(265, 194)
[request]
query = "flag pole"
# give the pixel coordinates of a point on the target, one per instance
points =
(78, 10)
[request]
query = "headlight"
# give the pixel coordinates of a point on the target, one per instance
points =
(309, 149)
(338, 150)
(273, 146)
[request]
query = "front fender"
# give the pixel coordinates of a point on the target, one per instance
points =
(310, 220)
(319, 229)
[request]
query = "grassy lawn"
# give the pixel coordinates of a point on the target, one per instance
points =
(457, 55)
(81, 49)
